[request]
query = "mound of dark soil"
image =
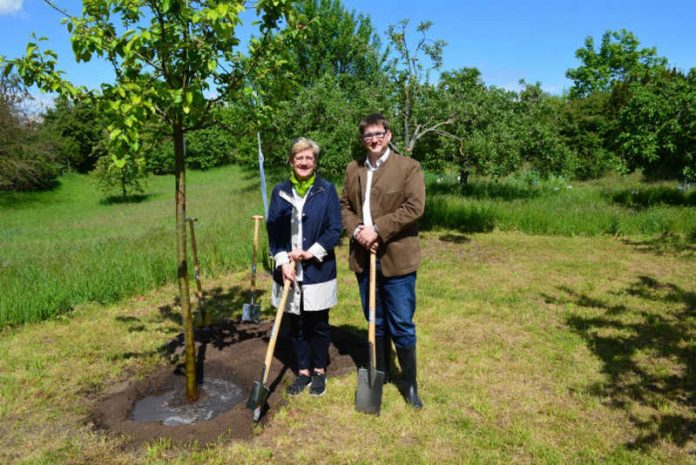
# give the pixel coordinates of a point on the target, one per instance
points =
(229, 351)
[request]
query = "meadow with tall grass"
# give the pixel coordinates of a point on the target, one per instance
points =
(68, 246)
(617, 206)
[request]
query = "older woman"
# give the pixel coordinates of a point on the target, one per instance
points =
(304, 224)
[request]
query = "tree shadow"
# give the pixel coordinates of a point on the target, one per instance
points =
(455, 238)
(224, 308)
(648, 197)
(21, 199)
(218, 305)
(648, 356)
(666, 244)
(119, 199)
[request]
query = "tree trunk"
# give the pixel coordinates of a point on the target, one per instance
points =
(463, 178)
(182, 269)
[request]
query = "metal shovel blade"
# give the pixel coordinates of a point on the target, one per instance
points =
(251, 312)
(258, 395)
(368, 398)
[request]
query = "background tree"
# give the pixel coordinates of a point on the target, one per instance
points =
(658, 124)
(617, 59)
(80, 132)
(122, 179)
(542, 145)
(26, 156)
(166, 56)
(319, 87)
(409, 74)
(482, 136)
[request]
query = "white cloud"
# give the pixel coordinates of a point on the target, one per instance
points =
(10, 6)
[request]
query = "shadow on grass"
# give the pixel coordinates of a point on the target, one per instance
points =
(18, 200)
(218, 304)
(118, 199)
(455, 238)
(648, 356)
(652, 196)
(666, 244)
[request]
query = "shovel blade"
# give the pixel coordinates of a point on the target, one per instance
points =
(257, 396)
(368, 398)
(251, 312)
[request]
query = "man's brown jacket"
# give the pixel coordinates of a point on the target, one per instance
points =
(397, 201)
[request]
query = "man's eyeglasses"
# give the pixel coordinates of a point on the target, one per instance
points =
(374, 135)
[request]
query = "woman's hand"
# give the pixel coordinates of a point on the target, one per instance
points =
(300, 255)
(288, 272)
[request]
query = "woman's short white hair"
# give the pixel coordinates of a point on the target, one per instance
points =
(303, 143)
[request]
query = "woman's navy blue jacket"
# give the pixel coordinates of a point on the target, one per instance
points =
(321, 222)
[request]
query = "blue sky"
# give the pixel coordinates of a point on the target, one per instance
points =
(507, 40)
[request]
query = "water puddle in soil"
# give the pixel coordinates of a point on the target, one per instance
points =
(216, 396)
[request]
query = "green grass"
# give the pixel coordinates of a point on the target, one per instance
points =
(612, 206)
(532, 350)
(65, 247)
(571, 346)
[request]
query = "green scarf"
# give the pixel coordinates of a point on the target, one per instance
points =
(301, 187)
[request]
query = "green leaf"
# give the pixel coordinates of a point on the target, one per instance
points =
(115, 133)
(8, 69)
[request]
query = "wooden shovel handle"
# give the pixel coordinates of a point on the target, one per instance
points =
(372, 309)
(257, 219)
(276, 327)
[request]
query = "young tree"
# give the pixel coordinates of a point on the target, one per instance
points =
(174, 60)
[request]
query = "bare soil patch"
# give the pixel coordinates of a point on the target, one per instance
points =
(231, 351)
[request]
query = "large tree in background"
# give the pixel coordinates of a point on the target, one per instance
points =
(26, 156)
(618, 58)
(80, 132)
(409, 71)
(482, 135)
(173, 61)
(318, 85)
(658, 125)
(337, 42)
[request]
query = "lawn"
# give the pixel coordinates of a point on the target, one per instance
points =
(573, 347)
(532, 349)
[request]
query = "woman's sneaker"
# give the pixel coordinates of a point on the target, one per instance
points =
(301, 382)
(318, 386)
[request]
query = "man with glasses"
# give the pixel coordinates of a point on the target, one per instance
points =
(383, 198)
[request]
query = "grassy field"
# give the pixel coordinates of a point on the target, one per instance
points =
(621, 206)
(532, 349)
(62, 248)
(66, 247)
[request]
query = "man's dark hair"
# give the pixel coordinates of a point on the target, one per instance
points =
(372, 119)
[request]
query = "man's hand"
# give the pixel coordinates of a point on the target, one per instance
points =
(368, 237)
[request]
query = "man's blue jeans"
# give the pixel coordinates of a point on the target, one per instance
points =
(396, 304)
